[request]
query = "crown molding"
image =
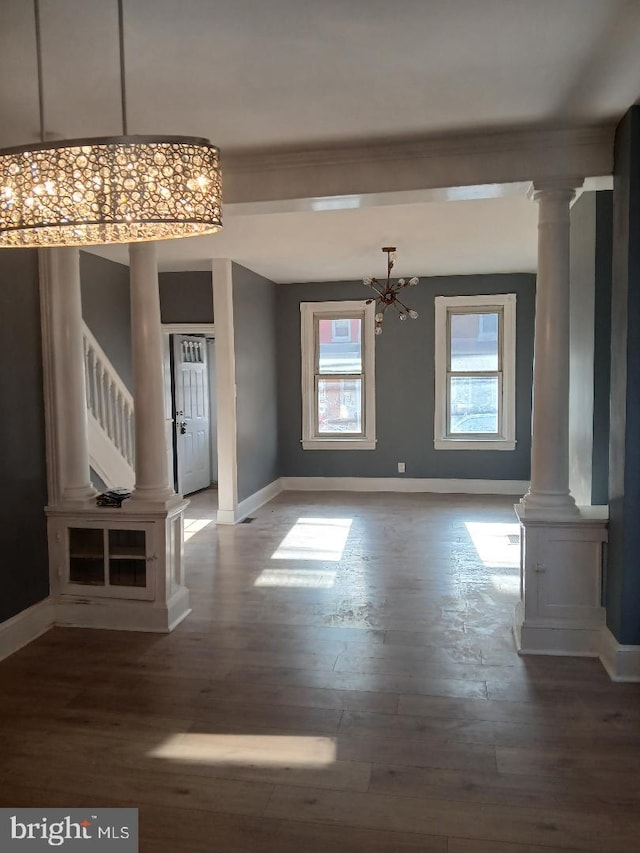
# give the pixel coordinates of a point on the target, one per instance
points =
(458, 144)
(461, 159)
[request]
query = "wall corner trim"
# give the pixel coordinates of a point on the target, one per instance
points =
(25, 626)
(621, 662)
(250, 504)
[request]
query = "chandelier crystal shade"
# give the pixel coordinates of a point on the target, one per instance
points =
(121, 189)
(111, 190)
(387, 292)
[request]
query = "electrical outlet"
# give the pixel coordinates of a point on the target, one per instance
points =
(400, 467)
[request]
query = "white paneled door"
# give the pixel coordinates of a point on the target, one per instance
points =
(192, 413)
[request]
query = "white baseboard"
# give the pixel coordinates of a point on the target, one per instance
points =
(24, 627)
(557, 637)
(405, 484)
(122, 615)
(250, 504)
(621, 662)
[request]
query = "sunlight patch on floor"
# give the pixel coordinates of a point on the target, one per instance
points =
(195, 525)
(315, 539)
(506, 583)
(497, 543)
(248, 750)
(296, 578)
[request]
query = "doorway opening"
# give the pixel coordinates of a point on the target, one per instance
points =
(191, 410)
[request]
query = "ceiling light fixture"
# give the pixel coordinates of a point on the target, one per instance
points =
(121, 189)
(387, 292)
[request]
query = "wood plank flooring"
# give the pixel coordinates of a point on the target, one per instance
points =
(356, 695)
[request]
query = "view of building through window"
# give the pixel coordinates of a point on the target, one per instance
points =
(474, 380)
(339, 375)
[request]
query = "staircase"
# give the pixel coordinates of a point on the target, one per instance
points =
(110, 417)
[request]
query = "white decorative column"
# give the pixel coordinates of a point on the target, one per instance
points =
(61, 274)
(560, 611)
(549, 490)
(152, 473)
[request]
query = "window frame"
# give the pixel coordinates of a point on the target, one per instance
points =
(505, 305)
(310, 313)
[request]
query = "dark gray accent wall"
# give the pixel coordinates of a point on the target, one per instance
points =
(106, 310)
(254, 316)
(590, 342)
(186, 297)
(602, 348)
(404, 386)
(24, 572)
(623, 566)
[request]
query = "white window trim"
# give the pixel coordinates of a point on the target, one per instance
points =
(507, 303)
(308, 312)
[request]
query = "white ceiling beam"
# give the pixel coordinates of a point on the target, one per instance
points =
(474, 159)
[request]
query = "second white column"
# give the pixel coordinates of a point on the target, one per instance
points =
(152, 472)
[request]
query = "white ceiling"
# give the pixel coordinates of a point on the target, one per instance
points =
(432, 238)
(258, 75)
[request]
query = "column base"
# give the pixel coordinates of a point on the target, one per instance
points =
(560, 611)
(79, 494)
(118, 568)
(551, 505)
(152, 501)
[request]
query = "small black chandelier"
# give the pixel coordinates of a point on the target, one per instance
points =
(387, 292)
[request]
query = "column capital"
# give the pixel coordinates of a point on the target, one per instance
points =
(561, 187)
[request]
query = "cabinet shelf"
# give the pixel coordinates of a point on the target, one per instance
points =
(126, 554)
(112, 558)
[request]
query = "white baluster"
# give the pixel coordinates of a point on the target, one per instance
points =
(132, 442)
(94, 381)
(87, 381)
(103, 402)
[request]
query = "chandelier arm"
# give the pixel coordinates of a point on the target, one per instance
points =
(123, 87)
(404, 307)
(36, 15)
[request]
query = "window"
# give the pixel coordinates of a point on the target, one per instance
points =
(475, 372)
(338, 407)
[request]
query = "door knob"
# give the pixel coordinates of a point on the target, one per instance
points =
(183, 427)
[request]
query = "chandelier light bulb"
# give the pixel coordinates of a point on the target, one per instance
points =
(413, 281)
(403, 316)
(413, 314)
(367, 280)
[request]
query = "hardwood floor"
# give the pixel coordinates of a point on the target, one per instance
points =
(358, 692)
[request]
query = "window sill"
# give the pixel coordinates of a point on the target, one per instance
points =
(338, 444)
(477, 444)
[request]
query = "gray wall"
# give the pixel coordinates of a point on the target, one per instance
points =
(404, 386)
(106, 310)
(590, 341)
(623, 567)
(254, 313)
(186, 297)
(24, 573)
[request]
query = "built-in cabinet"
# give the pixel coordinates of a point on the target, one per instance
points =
(127, 562)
